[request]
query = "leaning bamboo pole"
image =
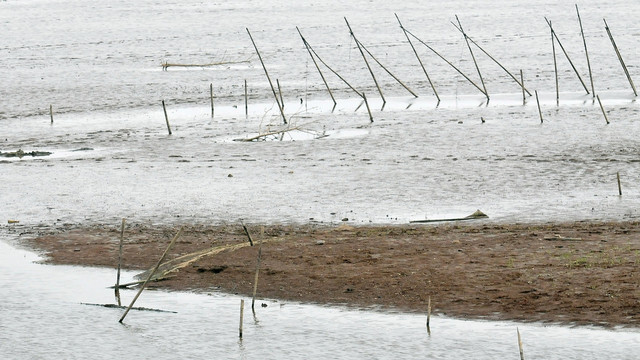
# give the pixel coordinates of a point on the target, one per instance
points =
(365, 61)
(586, 52)
(280, 107)
(447, 61)
(553, 33)
(117, 287)
(521, 84)
(555, 66)
(624, 67)
(333, 71)
(466, 39)
(418, 57)
(306, 45)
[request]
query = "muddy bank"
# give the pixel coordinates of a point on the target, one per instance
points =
(584, 273)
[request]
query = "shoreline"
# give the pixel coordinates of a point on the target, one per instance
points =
(582, 273)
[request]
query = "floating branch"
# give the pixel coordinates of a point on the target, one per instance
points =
(520, 83)
(365, 61)
(553, 33)
(418, 57)
(306, 45)
(167, 65)
(586, 52)
(280, 107)
(624, 67)
(466, 39)
(447, 61)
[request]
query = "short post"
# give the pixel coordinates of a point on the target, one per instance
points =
(429, 315)
(51, 112)
(539, 110)
(368, 108)
(619, 187)
(520, 345)
(241, 317)
(602, 108)
(524, 99)
(119, 263)
(211, 95)
(246, 101)
(166, 118)
(255, 279)
(173, 241)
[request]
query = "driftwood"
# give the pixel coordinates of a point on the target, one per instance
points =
(20, 154)
(561, 238)
(476, 215)
(263, 136)
(114, 306)
(167, 65)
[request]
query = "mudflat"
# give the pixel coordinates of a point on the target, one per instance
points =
(578, 272)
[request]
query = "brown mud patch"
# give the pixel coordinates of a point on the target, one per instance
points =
(581, 272)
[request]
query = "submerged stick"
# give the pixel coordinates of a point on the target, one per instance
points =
(419, 60)
(365, 61)
(619, 186)
(280, 107)
(553, 33)
(466, 39)
(366, 103)
(447, 61)
(624, 67)
(493, 59)
(166, 118)
(602, 108)
(241, 317)
(586, 52)
(306, 45)
(117, 287)
(211, 95)
(51, 112)
(520, 345)
(164, 255)
(539, 110)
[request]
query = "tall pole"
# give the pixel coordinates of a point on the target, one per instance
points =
(466, 39)
(365, 61)
(624, 67)
(586, 52)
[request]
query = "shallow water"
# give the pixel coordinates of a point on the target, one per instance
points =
(98, 65)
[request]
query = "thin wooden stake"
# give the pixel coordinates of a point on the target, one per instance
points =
(624, 67)
(365, 61)
(280, 92)
(246, 99)
(117, 288)
(368, 108)
(555, 63)
(284, 119)
(419, 60)
(241, 317)
(306, 45)
(619, 186)
(553, 33)
(524, 99)
(255, 279)
(586, 52)
(602, 108)
(211, 94)
(51, 112)
(539, 110)
(428, 311)
(520, 345)
(246, 231)
(166, 118)
(466, 39)
(164, 255)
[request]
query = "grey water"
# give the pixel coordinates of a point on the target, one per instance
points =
(98, 64)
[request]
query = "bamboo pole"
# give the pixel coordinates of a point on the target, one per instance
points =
(306, 45)
(586, 52)
(602, 108)
(387, 70)
(365, 61)
(520, 345)
(246, 231)
(368, 108)
(419, 60)
(333, 71)
(466, 39)
(524, 99)
(553, 33)
(555, 64)
(624, 67)
(255, 278)
(280, 107)
(51, 112)
(429, 312)
(447, 61)
(280, 92)
(166, 118)
(164, 255)
(241, 317)
(211, 95)
(494, 60)
(246, 99)
(539, 110)
(619, 186)
(117, 287)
